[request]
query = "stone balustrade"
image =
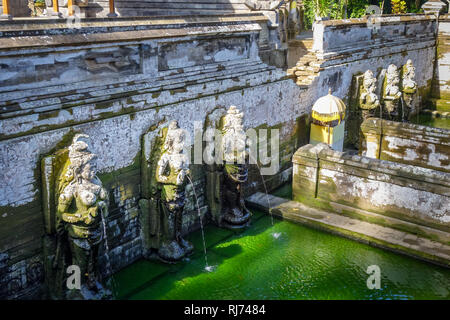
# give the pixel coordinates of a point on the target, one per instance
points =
(406, 143)
(419, 195)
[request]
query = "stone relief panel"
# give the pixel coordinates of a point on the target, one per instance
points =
(199, 52)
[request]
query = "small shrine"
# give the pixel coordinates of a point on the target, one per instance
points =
(328, 123)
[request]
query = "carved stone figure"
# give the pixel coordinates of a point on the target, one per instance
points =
(81, 206)
(225, 179)
(409, 88)
(391, 92)
(37, 7)
(171, 173)
(368, 100)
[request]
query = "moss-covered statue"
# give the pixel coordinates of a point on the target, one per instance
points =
(82, 204)
(368, 100)
(391, 93)
(171, 173)
(226, 176)
(74, 205)
(409, 88)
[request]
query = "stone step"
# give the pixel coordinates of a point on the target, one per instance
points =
(141, 84)
(95, 95)
(305, 73)
(392, 235)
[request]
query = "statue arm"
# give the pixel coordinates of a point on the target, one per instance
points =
(64, 202)
(161, 167)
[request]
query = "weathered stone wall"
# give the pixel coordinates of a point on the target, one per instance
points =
(18, 8)
(113, 81)
(441, 82)
(406, 143)
(419, 195)
(343, 49)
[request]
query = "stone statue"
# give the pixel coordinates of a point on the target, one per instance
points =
(391, 92)
(368, 100)
(409, 88)
(171, 173)
(81, 206)
(225, 179)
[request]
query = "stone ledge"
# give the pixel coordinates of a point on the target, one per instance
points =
(390, 169)
(18, 24)
(373, 234)
(385, 19)
(131, 102)
(407, 131)
(86, 38)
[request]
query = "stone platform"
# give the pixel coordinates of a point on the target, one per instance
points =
(373, 233)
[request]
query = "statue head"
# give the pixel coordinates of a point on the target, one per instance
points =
(369, 81)
(233, 119)
(83, 163)
(392, 73)
(409, 69)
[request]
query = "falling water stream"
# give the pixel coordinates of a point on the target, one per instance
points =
(108, 261)
(265, 188)
(207, 266)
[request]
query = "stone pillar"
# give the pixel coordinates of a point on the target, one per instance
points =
(53, 8)
(370, 138)
(306, 166)
(70, 7)
(112, 11)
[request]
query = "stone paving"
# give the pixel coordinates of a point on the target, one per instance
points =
(370, 233)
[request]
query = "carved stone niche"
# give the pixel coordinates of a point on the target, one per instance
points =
(225, 175)
(74, 205)
(391, 94)
(364, 103)
(165, 170)
(409, 89)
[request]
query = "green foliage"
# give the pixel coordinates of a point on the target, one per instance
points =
(334, 9)
(341, 9)
(398, 6)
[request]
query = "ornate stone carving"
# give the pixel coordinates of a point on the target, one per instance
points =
(368, 100)
(37, 7)
(82, 204)
(76, 231)
(391, 92)
(409, 88)
(225, 179)
(171, 173)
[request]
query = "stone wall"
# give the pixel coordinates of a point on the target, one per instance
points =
(406, 143)
(344, 49)
(114, 80)
(322, 176)
(18, 8)
(441, 82)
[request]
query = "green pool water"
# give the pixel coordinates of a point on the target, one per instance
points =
(301, 263)
(428, 120)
